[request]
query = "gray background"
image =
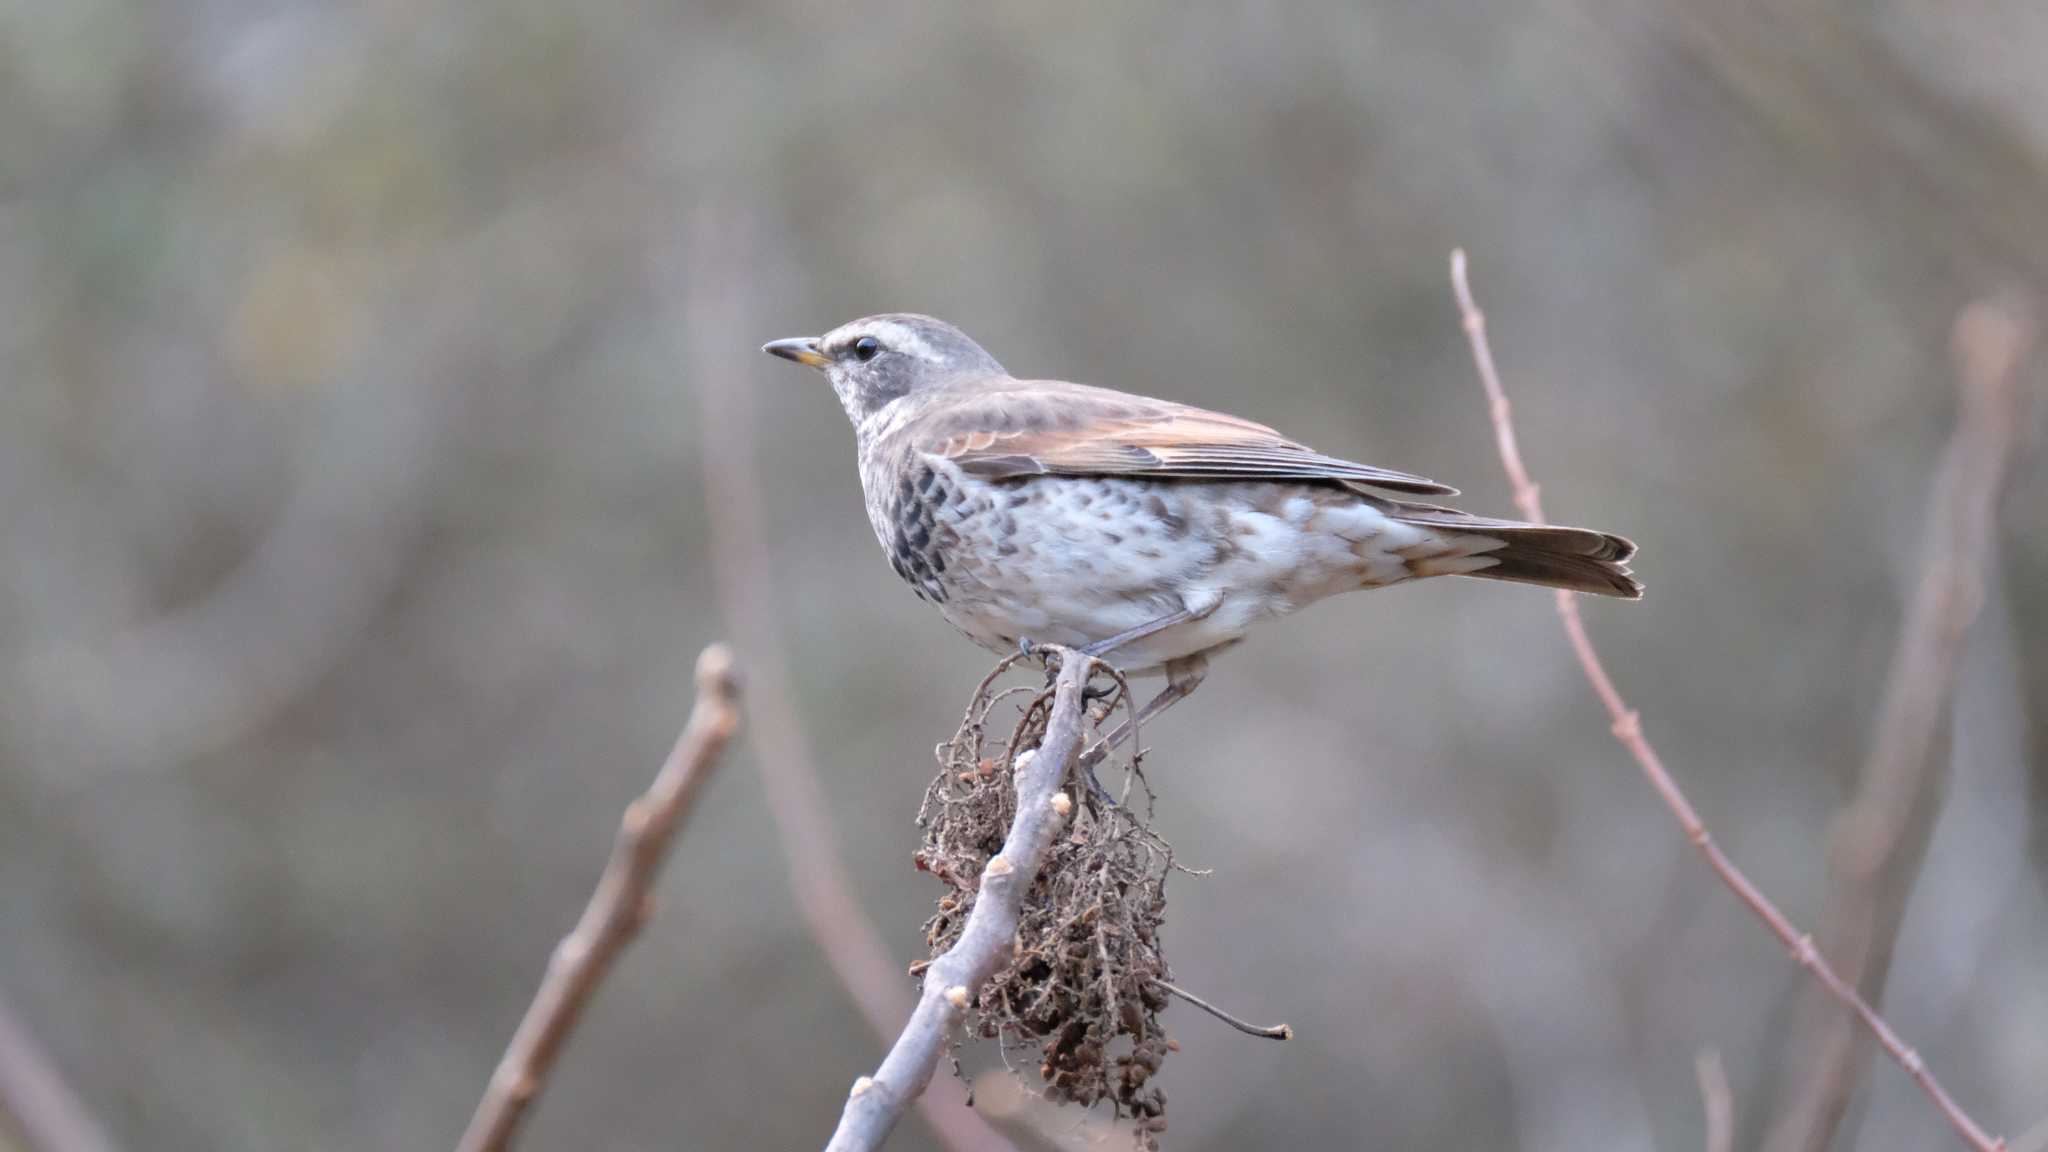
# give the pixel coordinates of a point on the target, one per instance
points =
(354, 552)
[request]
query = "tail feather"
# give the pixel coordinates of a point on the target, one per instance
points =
(1577, 559)
(1532, 561)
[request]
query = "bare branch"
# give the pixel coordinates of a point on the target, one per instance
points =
(1881, 838)
(877, 1102)
(743, 567)
(1716, 1100)
(621, 904)
(36, 1102)
(1628, 729)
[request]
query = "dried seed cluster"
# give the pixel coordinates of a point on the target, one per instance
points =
(1082, 994)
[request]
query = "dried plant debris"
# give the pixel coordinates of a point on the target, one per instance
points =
(1083, 995)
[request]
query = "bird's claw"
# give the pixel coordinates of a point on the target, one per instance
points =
(1048, 656)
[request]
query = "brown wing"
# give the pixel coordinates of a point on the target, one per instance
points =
(1050, 427)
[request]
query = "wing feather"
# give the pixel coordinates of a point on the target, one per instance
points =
(1050, 427)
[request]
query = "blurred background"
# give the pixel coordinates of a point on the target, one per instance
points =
(361, 363)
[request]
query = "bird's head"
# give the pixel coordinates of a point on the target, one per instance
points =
(876, 359)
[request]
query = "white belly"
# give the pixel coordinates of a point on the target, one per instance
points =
(1071, 561)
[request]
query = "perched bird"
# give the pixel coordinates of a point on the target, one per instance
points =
(1143, 531)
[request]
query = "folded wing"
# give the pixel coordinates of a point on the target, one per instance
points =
(1045, 427)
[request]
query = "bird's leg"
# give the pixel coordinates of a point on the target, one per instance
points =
(1192, 608)
(1183, 676)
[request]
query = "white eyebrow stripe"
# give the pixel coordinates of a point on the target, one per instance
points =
(899, 338)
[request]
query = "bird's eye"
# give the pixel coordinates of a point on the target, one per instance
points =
(866, 348)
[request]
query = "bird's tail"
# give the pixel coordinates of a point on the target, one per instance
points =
(1577, 559)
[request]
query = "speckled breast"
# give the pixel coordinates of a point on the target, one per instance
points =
(908, 515)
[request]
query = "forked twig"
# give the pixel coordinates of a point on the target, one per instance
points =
(620, 905)
(1628, 729)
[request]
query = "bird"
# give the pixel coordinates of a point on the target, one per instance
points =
(1144, 532)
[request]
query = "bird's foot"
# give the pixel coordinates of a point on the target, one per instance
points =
(1028, 648)
(1047, 656)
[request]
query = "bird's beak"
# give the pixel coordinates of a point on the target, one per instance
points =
(802, 349)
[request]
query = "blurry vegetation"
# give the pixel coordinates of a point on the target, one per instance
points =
(352, 558)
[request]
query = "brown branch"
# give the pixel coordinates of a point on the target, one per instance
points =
(1880, 839)
(1716, 1101)
(877, 1102)
(621, 904)
(1628, 729)
(35, 1102)
(742, 565)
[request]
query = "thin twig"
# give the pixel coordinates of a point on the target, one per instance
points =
(1628, 729)
(621, 904)
(989, 938)
(1272, 1032)
(35, 1101)
(1881, 838)
(743, 567)
(1716, 1101)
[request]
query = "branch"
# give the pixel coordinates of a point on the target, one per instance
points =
(1881, 838)
(743, 566)
(622, 903)
(987, 942)
(36, 1102)
(1628, 729)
